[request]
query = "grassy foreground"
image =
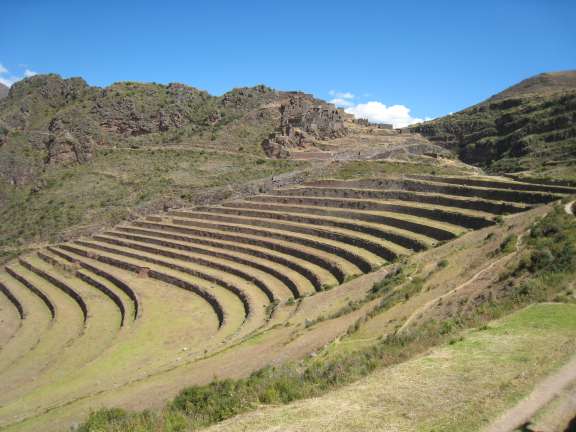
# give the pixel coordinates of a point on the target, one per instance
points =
(459, 386)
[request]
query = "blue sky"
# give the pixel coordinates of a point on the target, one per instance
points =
(433, 57)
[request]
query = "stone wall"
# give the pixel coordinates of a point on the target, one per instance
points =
(303, 121)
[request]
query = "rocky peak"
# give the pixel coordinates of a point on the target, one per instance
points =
(247, 98)
(52, 89)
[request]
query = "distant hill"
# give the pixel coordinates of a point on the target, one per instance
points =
(529, 126)
(3, 91)
(47, 120)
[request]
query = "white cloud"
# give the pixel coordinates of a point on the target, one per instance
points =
(341, 102)
(8, 80)
(341, 99)
(376, 112)
(342, 95)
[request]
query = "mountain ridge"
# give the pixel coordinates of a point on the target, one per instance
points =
(58, 121)
(527, 127)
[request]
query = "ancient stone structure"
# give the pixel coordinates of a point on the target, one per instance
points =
(303, 121)
(367, 123)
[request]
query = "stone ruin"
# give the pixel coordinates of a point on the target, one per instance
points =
(367, 123)
(303, 121)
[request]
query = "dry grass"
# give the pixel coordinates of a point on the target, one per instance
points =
(457, 387)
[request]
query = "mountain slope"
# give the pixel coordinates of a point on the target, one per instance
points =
(529, 126)
(73, 155)
(47, 120)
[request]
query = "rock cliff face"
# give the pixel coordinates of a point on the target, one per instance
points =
(303, 120)
(71, 138)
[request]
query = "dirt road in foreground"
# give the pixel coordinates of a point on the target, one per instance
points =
(542, 394)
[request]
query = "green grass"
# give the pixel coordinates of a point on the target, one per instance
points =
(458, 386)
(362, 169)
(498, 360)
(105, 190)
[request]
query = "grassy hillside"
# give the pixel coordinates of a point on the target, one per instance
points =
(402, 389)
(528, 127)
(73, 156)
(69, 200)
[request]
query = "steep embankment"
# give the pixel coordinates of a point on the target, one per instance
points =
(530, 126)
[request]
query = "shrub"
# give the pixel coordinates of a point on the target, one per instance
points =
(443, 264)
(509, 244)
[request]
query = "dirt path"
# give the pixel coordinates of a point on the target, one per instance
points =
(542, 394)
(475, 277)
(569, 208)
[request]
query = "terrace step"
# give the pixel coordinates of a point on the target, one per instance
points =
(68, 325)
(436, 199)
(230, 317)
(64, 287)
(88, 278)
(37, 320)
(122, 288)
(316, 274)
(399, 237)
(349, 255)
(101, 325)
(169, 320)
(34, 290)
(373, 245)
(261, 281)
(251, 297)
(340, 268)
(498, 184)
(436, 186)
(11, 298)
(434, 214)
(414, 226)
(294, 281)
(190, 319)
(11, 315)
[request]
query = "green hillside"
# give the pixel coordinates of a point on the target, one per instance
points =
(528, 127)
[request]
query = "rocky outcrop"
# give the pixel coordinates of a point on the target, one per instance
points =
(303, 121)
(72, 138)
(133, 109)
(64, 120)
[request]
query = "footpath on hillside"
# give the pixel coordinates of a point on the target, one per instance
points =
(460, 386)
